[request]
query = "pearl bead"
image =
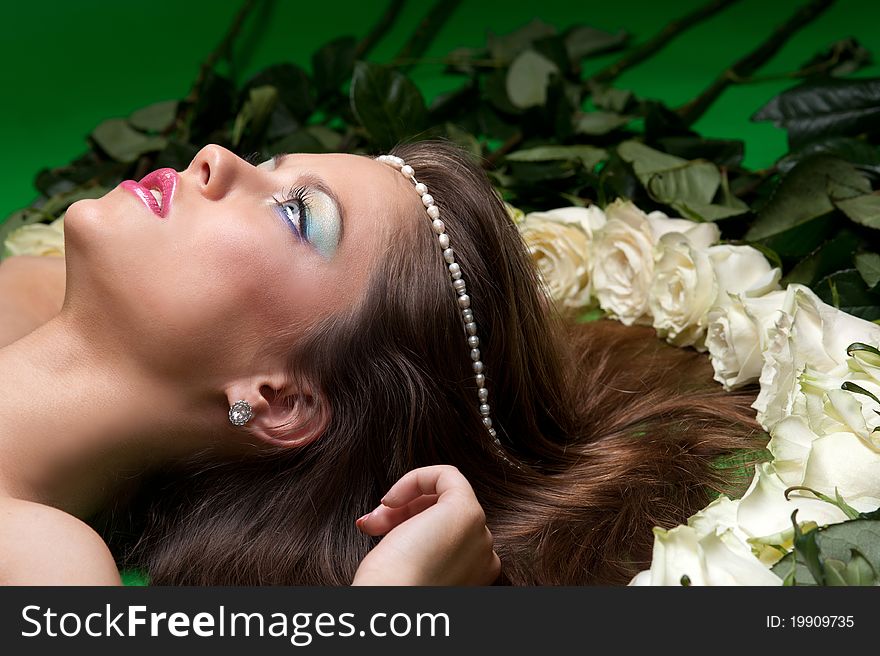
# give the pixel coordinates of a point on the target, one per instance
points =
(458, 284)
(421, 188)
(475, 354)
(439, 226)
(462, 291)
(478, 367)
(464, 301)
(483, 393)
(487, 422)
(449, 256)
(468, 315)
(492, 433)
(454, 268)
(484, 409)
(434, 211)
(481, 380)
(456, 276)
(407, 170)
(427, 199)
(397, 160)
(473, 341)
(471, 328)
(444, 241)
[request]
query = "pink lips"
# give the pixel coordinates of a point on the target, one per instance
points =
(162, 180)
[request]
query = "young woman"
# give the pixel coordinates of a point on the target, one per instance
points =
(374, 316)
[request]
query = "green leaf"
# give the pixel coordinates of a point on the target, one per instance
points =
(122, 142)
(847, 291)
(156, 117)
(837, 501)
(859, 570)
(583, 41)
(255, 113)
(852, 150)
(688, 186)
(297, 142)
(587, 156)
(807, 550)
(835, 572)
(868, 265)
(612, 99)
(386, 103)
(833, 255)
(859, 346)
(215, 106)
(597, 123)
(723, 152)
(824, 109)
(292, 85)
(505, 47)
(528, 79)
(863, 209)
(333, 63)
(803, 195)
(850, 386)
(840, 58)
(329, 139)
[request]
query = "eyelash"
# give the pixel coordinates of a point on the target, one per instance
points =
(300, 196)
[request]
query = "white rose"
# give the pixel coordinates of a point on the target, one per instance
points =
(830, 409)
(682, 291)
(590, 219)
(737, 335)
(843, 461)
(764, 510)
(700, 235)
(37, 239)
(742, 270)
(824, 462)
(790, 443)
(623, 263)
(561, 253)
(709, 550)
(806, 332)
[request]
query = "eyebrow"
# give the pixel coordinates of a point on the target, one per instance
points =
(314, 180)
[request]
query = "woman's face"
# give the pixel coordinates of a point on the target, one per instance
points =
(243, 254)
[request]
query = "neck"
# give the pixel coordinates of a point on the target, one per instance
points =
(79, 421)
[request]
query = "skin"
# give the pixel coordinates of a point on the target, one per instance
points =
(181, 314)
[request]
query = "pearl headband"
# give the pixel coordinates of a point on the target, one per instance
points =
(464, 301)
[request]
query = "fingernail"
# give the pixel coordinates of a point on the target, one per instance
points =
(361, 518)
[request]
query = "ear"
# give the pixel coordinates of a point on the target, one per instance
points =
(284, 414)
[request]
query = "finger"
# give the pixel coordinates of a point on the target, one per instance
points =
(494, 570)
(435, 479)
(383, 518)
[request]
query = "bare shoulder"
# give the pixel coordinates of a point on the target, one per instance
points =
(40, 545)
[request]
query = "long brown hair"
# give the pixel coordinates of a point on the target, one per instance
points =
(610, 431)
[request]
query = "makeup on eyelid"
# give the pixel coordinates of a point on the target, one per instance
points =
(313, 217)
(322, 220)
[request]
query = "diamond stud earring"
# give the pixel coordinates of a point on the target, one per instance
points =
(240, 413)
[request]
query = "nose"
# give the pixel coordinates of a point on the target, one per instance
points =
(216, 170)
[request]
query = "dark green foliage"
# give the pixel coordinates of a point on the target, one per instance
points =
(548, 138)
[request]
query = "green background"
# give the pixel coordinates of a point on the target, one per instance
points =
(69, 65)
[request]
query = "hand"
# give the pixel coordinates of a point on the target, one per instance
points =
(435, 533)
